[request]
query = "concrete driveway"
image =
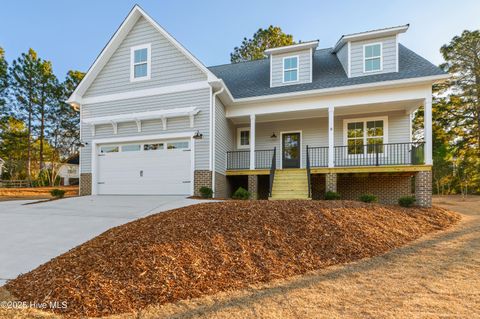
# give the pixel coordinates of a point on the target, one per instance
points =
(31, 235)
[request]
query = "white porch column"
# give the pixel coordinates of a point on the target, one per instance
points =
(252, 141)
(331, 133)
(427, 125)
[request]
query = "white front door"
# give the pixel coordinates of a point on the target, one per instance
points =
(147, 168)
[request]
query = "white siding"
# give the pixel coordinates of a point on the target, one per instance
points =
(199, 99)
(304, 67)
(224, 137)
(169, 65)
(389, 53)
(342, 56)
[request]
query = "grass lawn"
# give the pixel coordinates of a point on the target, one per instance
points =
(211, 252)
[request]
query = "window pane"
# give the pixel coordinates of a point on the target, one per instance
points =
(175, 145)
(355, 129)
(376, 50)
(372, 51)
(141, 55)
(374, 145)
(245, 138)
(368, 51)
(109, 149)
(290, 76)
(152, 147)
(140, 70)
(131, 148)
(290, 63)
(375, 64)
(375, 128)
(355, 146)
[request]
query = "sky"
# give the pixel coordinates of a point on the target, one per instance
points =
(72, 33)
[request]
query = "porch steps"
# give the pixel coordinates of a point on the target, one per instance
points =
(290, 184)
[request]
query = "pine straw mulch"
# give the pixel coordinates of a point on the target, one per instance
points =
(207, 248)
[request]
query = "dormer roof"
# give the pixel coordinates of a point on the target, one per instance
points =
(293, 47)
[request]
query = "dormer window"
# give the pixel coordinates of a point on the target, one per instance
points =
(372, 57)
(140, 62)
(290, 69)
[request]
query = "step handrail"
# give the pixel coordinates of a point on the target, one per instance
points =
(273, 167)
(308, 175)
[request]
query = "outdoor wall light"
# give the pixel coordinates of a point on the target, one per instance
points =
(273, 135)
(81, 144)
(198, 135)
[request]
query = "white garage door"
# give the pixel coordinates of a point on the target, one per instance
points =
(150, 168)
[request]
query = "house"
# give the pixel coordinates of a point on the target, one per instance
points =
(155, 120)
(69, 171)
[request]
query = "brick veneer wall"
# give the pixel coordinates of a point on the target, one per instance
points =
(222, 186)
(423, 188)
(387, 187)
(201, 178)
(331, 182)
(253, 186)
(85, 184)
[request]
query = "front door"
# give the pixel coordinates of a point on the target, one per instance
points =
(291, 149)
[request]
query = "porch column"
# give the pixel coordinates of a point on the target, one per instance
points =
(427, 129)
(330, 136)
(252, 141)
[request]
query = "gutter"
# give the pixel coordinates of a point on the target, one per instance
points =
(212, 137)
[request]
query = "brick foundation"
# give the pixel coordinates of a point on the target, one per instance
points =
(85, 184)
(222, 186)
(331, 182)
(423, 189)
(253, 186)
(387, 187)
(201, 178)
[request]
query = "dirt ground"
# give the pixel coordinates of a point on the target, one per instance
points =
(34, 192)
(437, 276)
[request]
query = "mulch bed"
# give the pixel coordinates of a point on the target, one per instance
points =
(36, 192)
(218, 246)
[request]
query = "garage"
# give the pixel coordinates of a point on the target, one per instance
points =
(145, 168)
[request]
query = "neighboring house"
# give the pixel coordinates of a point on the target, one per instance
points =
(69, 172)
(155, 120)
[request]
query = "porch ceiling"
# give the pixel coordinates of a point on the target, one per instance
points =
(407, 106)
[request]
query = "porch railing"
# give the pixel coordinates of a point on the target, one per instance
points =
(379, 154)
(318, 156)
(263, 158)
(238, 160)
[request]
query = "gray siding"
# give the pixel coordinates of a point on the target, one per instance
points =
(304, 67)
(389, 52)
(169, 65)
(198, 98)
(224, 137)
(342, 56)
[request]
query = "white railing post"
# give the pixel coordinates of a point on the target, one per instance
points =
(427, 129)
(252, 141)
(331, 133)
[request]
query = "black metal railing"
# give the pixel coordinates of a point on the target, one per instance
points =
(273, 167)
(379, 154)
(238, 160)
(308, 174)
(318, 156)
(263, 158)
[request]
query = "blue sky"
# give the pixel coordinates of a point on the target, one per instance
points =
(72, 33)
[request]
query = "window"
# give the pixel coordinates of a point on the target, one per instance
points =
(290, 69)
(177, 145)
(131, 148)
(109, 149)
(140, 60)
(153, 147)
(365, 135)
(243, 138)
(372, 56)
(72, 170)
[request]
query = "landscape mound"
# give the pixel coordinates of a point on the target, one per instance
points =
(212, 247)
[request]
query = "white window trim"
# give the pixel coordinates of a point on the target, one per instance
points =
(365, 120)
(292, 69)
(147, 46)
(371, 58)
(239, 130)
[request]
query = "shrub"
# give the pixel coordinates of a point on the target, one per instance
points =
(332, 195)
(406, 201)
(57, 193)
(241, 193)
(368, 198)
(206, 192)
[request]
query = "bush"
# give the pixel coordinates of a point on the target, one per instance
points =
(332, 196)
(241, 193)
(206, 192)
(57, 193)
(368, 198)
(406, 201)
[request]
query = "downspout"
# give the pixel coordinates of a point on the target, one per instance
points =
(214, 95)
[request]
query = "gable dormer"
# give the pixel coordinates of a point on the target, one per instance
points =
(291, 64)
(371, 52)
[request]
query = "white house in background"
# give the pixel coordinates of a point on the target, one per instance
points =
(302, 121)
(69, 172)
